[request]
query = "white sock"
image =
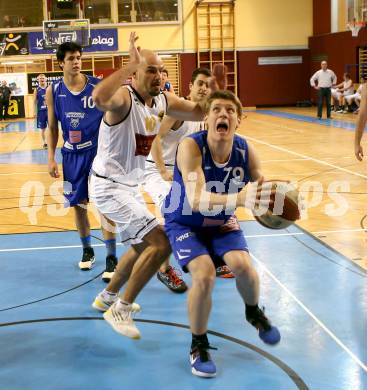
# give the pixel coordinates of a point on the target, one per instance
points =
(121, 304)
(108, 295)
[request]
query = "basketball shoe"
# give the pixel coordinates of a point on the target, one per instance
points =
(172, 279)
(120, 317)
(87, 260)
(224, 272)
(201, 362)
(104, 300)
(268, 334)
(111, 262)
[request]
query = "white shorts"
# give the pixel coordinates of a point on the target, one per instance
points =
(125, 206)
(155, 185)
(355, 96)
(337, 94)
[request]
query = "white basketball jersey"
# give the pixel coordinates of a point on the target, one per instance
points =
(174, 137)
(124, 147)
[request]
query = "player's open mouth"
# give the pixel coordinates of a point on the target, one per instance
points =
(222, 127)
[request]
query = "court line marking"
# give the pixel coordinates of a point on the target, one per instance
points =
(23, 173)
(295, 130)
(305, 156)
(302, 159)
(285, 160)
(309, 312)
(40, 248)
(293, 376)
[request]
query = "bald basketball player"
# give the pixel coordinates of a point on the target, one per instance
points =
(130, 124)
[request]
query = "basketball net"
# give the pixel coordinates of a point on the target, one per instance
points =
(354, 27)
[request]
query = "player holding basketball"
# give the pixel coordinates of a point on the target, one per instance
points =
(130, 124)
(217, 167)
(159, 166)
(39, 96)
(69, 101)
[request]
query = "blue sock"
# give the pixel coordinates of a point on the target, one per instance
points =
(86, 241)
(111, 247)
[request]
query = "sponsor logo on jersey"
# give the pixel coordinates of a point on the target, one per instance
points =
(143, 144)
(184, 236)
(74, 122)
(150, 124)
(182, 257)
(79, 115)
(75, 136)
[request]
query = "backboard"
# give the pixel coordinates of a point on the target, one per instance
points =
(56, 32)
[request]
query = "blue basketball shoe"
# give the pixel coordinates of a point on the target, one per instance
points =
(268, 333)
(201, 363)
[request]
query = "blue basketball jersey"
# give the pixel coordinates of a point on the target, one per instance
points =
(226, 178)
(78, 115)
(41, 95)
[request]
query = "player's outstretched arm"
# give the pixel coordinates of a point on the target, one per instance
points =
(189, 161)
(156, 149)
(52, 134)
(108, 94)
(360, 125)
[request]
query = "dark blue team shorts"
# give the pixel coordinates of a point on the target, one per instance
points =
(189, 242)
(42, 119)
(76, 168)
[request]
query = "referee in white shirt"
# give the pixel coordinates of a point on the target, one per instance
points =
(325, 80)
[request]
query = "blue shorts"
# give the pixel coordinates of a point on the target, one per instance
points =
(76, 168)
(189, 242)
(42, 119)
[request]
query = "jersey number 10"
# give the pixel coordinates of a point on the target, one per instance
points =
(88, 102)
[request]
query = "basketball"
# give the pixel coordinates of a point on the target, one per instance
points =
(286, 208)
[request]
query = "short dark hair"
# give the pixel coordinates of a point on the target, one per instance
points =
(347, 75)
(165, 71)
(226, 95)
(65, 47)
(197, 71)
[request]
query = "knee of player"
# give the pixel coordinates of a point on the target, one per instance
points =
(204, 279)
(240, 263)
(162, 246)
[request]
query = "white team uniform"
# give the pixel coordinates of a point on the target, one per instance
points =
(356, 96)
(118, 168)
(154, 184)
(348, 91)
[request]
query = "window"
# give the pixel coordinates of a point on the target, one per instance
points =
(357, 9)
(64, 13)
(21, 13)
(98, 11)
(132, 11)
(351, 12)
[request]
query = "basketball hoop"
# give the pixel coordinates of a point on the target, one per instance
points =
(354, 27)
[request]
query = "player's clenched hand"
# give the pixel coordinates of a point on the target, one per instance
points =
(53, 170)
(167, 176)
(134, 54)
(219, 79)
(358, 151)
